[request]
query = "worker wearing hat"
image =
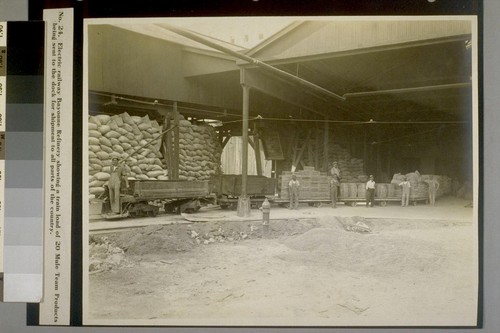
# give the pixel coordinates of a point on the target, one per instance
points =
(335, 171)
(370, 192)
(294, 192)
(334, 183)
(117, 174)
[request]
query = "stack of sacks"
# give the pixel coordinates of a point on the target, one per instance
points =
(418, 189)
(419, 185)
(122, 136)
(352, 170)
(337, 153)
(199, 151)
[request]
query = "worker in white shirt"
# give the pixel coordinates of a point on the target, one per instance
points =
(294, 191)
(370, 192)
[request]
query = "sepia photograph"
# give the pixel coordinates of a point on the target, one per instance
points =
(281, 171)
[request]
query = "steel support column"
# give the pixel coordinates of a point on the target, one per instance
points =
(244, 201)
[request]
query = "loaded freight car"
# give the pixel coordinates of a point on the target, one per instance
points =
(146, 197)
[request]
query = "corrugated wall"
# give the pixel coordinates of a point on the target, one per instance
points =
(125, 62)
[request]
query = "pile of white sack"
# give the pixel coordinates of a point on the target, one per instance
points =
(199, 151)
(122, 136)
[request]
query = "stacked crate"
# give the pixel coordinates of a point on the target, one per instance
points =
(314, 185)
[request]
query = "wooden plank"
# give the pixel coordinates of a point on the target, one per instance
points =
(176, 149)
(167, 142)
(226, 140)
(251, 143)
(258, 161)
(298, 158)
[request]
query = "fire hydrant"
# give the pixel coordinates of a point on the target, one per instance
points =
(266, 210)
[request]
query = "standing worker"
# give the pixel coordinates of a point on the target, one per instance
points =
(114, 184)
(433, 187)
(294, 190)
(335, 173)
(334, 185)
(370, 192)
(405, 198)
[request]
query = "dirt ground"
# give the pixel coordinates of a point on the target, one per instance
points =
(319, 271)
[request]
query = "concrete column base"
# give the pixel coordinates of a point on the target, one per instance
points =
(244, 207)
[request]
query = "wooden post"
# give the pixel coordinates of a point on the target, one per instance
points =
(226, 140)
(365, 151)
(310, 152)
(176, 149)
(317, 151)
(167, 143)
(256, 142)
(325, 145)
(389, 158)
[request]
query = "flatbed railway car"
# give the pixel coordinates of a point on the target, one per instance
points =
(146, 197)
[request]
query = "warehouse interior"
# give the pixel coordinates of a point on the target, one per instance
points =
(381, 97)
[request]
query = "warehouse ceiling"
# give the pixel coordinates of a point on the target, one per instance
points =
(397, 71)
(428, 82)
(419, 80)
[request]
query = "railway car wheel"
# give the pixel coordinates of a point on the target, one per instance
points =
(383, 203)
(170, 209)
(354, 204)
